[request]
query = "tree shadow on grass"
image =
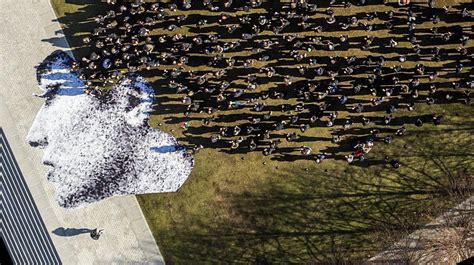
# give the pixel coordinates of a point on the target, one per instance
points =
(325, 217)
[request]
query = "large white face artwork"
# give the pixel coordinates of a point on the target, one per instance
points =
(98, 147)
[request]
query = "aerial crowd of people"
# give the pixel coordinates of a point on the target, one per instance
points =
(248, 69)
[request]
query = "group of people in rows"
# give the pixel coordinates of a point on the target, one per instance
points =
(257, 62)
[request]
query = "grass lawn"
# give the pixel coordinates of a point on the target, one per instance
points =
(246, 208)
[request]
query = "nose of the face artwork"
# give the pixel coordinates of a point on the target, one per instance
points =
(37, 136)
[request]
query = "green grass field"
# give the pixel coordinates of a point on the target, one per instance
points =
(248, 208)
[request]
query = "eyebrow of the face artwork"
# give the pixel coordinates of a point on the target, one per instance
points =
(48, 100)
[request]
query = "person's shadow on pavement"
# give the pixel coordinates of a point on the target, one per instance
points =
(61, 231)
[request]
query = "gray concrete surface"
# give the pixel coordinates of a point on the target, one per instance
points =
(126, 238)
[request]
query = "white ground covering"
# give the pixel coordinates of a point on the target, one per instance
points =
(100, 147)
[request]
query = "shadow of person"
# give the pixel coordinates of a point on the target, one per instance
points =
(61, 231)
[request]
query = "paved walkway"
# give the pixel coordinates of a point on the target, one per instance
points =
(126, 238)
